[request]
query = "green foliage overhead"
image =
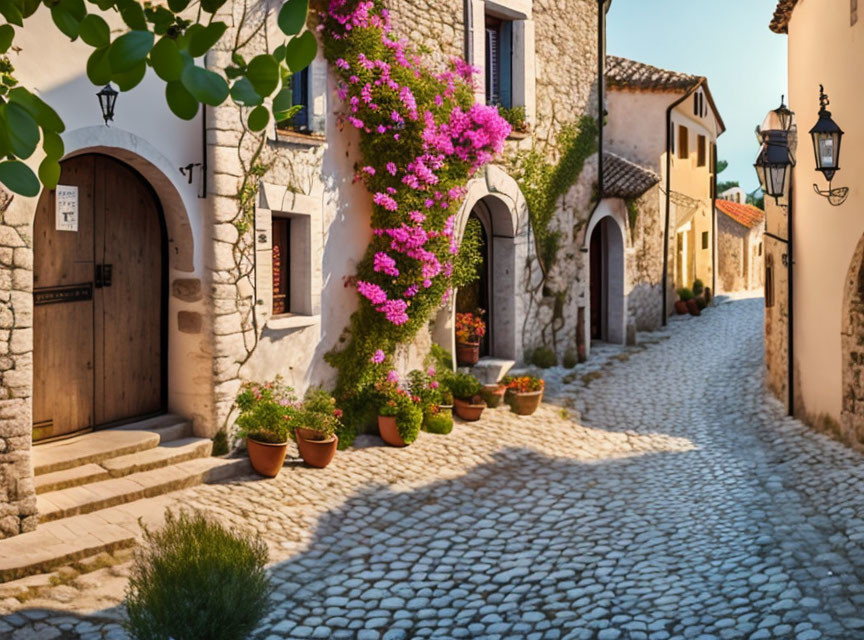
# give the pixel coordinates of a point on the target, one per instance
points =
(195, 579)
(543, 182)
(157, 37)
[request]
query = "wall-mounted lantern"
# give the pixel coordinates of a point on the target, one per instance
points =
(107, 99)
(827, 137)
(776, 159)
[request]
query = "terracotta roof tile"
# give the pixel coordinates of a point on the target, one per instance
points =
(782, 13)
(630, 74)
(744, 214)
(625, 179)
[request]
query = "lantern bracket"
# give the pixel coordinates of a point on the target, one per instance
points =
(835, 196)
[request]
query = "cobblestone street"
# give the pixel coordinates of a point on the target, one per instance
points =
(658, 494)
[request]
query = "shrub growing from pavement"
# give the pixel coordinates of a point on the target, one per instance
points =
(194, 579)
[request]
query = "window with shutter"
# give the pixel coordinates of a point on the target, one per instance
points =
(683, 142)
(499, 62)
(702, 151)
(299, 97)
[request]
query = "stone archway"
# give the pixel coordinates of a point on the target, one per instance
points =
(852, 349)
(495, 198)
(607, 303)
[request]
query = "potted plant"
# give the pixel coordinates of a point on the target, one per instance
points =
(493, 394)
(434, 398)
(438, 421)
(684, 295)
(265, 413)
(470, 329)
(315, 423)
(524, 393)
(400, 415)
(467, 400)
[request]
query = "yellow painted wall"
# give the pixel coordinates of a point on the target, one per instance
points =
(824, 48)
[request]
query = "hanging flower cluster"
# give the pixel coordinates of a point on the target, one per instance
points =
(422, 137)
(431, 138)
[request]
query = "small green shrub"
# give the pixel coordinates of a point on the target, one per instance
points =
(464, 386)
(440, 423)
(684, 294)
(195, 579)
(701, 303)
(544, 357)
(571, 358)
(491, 398)
(220, 443)
(698, 287)
(515, 116)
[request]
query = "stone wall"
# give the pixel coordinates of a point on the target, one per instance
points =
(645, 263)
(733, 242)
(776, 305)
(17, 491)
(852, 337)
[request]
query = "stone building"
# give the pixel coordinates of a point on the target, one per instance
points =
(668, 122)
(172, 284)
(824, 359)
(740, 259)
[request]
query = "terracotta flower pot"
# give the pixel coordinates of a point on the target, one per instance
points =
(524, 404)
(495, 395)
(693, 307)
(389, 431)
(266, 458)
(467, 353)
(317, 453)
(469, 411)
(681, 308)
(445, 408)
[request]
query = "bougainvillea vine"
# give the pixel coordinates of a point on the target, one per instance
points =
(422, 137)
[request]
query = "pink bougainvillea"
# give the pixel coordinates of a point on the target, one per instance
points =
(422, 137)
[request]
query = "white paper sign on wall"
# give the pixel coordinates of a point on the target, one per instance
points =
(66, 206)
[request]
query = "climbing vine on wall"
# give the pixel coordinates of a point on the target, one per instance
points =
(421, 139)
(543, 181)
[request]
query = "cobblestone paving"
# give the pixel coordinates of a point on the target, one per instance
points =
(680, 504)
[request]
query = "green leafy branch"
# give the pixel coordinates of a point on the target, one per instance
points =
(158, 37)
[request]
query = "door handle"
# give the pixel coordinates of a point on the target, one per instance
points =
(103, 275)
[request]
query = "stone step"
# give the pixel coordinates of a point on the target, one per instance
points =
(167, 453)
(90, 448)
(73, 501)
(71, 477)
(491, 370)
(169, 427)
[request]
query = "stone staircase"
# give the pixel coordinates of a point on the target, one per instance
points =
(93, 489)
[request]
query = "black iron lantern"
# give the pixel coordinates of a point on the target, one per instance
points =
(780, 119)
(774, 165)
(107, 98)
(826, 139)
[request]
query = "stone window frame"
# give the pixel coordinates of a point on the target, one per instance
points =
(520, 13)
(305, 213)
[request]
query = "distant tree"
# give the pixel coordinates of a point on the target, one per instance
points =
(756, 198)
(721, 166)
(725, 186)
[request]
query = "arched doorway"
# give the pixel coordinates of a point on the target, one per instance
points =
(495, 290)
(99, 339)
(606, 273)
(474, 298)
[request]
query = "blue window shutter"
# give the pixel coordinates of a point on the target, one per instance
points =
(492, 65)
(300, 96)
(506, 65)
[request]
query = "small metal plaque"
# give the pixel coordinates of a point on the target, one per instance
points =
(66, 293)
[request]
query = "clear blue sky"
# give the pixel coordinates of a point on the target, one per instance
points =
(726, 41)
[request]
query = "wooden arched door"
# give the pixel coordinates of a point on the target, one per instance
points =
(99, 287)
